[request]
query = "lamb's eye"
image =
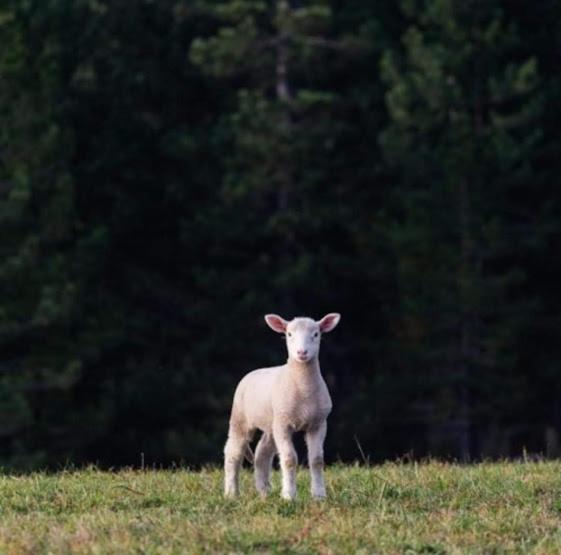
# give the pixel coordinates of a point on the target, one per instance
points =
(289, 334)
(316, 334)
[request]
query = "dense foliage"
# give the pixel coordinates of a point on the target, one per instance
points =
(171, 171)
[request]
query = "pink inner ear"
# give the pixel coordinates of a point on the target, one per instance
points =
(276, 323)
(327, 323)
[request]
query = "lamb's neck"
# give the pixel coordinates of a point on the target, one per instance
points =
(304, 374)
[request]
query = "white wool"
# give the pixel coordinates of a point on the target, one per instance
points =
(280, 401)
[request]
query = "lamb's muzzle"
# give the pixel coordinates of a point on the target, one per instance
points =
(280, 401)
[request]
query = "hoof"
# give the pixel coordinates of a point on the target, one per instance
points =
(319, 494)
(264, 492)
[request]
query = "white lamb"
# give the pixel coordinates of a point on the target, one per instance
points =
(280, 401)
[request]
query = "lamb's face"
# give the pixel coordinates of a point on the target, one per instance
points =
(302, 339)
(303, 335)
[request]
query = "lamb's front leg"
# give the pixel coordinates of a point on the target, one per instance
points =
(288, 460)
(314, 441)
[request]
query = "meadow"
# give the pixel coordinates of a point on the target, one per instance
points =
(392, 508)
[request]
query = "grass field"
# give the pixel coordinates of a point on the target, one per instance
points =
(394, 508)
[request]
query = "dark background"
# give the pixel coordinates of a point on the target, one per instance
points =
(170, 171)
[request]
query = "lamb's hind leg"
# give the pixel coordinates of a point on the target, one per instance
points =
(234, 452)
(314, 441)
(264, 454)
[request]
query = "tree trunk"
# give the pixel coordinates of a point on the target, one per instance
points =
(282, 83)
(466, 329)
(284, 169)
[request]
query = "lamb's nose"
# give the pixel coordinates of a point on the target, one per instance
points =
(301, 353)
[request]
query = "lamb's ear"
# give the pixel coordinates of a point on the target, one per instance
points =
(328, 323)
(276, 323)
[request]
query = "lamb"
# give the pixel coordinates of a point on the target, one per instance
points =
(280, 401)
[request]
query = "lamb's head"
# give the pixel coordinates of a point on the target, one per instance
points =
(302, 334)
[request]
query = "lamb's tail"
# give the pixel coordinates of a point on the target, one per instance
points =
(249, 455)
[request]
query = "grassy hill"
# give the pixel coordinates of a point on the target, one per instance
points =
(394, 508)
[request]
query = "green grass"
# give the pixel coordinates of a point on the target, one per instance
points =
(394, 508)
